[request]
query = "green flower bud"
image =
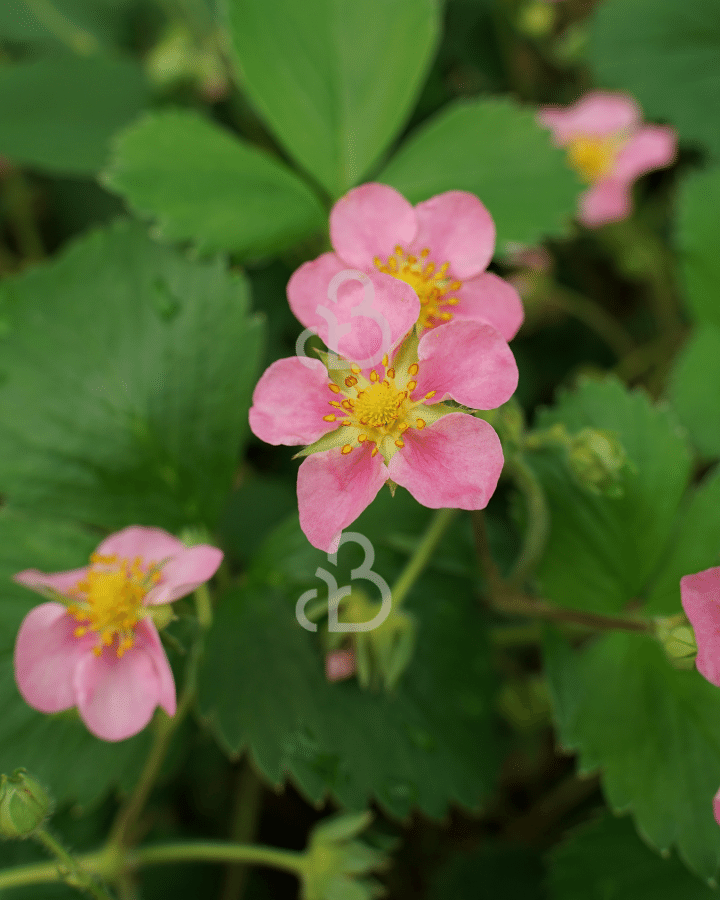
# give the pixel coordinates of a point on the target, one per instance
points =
(336, 865)
(678, 640)
(597, 460)
(24, 805)
(537, 19)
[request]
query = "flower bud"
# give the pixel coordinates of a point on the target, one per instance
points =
(597, 460)
(24, 804)
(537, 19)
(678, 640)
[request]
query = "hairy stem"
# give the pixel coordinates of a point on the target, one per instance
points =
(420, 558)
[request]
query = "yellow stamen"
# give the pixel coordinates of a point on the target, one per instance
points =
(414, 369)
(420, 423)
(346, 449)
(329, 418)
(593, 157)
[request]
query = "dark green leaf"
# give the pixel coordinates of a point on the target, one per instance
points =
(128, 372)
(334, 79)
(697, 239)
(204, 184)
(495, 871)
(496, 150)
(59, 113)
(696, 370)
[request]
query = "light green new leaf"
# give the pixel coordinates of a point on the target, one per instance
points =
(60, 113)
(603, 550)
(652, 731)
(496, 150)
(80, 768)
(697, 240)
(125, 380)
(695, 386)
(695, 545)
(334, 79)
(666, 53)
(206, 185)
(607, 861)
(428, 744)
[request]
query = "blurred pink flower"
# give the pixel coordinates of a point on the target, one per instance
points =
(389, 422)
(700, 595)
(716, 807)
(94, 645)
(339, 664)
(441, 248)
(609, 147)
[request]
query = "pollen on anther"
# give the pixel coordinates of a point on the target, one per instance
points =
(456, 285)
(425, 252)
(385, 360)
(329, 418)
(362, 438)
(373, 375)
(346, 404)
(420, 423)
(355, 369)
(390, 373)
(399, 442)
(351, 381)
(411, 385)
(335, 403)
(334, 388)
(451, 301)
(445, 316)
(398, 249)
(430, 394)
(375, 451)
(414, 369)
(346, 449)
(79, 632)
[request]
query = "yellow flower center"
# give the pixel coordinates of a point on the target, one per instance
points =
(430, 284)
(379, 404)
(592, 157)
(109, 600)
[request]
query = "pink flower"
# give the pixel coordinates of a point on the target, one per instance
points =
(94, 645)
(609, 148)
(716, 807)
(700, 596)
(370, 425)
(440, 248)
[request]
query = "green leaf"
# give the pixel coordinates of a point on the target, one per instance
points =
(496, 150)
(429, 744)
(666, 53)
(77, 24)
(652, 731)
(496, 871)
(697, 241)
(81, 768)
(312, 70)
(127, 379)
(607, 861)
(615, 544)
(59, 113)
(204, 184)
(695, 546)
(696, 404)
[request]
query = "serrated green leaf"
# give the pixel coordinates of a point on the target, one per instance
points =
(652, 731)
(127, 379)
(81, 768)
(206, 185)
(695, 546)
(697, 241)
(603, 550)
(607, 861)
(430, 743)
(697, 368)
(60, 113)
(666, 53)
(496, 150)
(312, 71)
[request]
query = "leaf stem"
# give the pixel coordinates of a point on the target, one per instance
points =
(67, 32)
(594, 316)
(420, 558)
(70, 869)
(538, 520)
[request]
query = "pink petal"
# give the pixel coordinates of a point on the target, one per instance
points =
(147, 637)
(150, 544)
(289, 402)
(469, 361)
(370, 221)
(333, 489)
(716, 807)
(46, 656)
(595, 115)
(651, 148)
(609, 200)
(183, 573)
(454, 463)
(490, 299)
(700, 596)
(339, 664)
(456, 228)
(57, 581)
(359, 315)
(116, 696)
